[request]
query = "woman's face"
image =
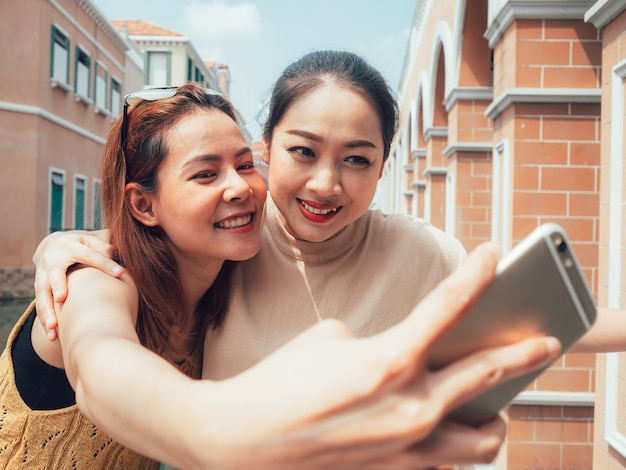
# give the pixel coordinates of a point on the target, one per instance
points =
(325, 159)
(210, 198)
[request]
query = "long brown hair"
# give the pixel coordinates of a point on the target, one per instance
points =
(140, 249)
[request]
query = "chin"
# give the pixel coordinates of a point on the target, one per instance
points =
(246, 254)
(315, 237)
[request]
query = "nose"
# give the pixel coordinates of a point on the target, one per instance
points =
(236, 187)
(325, 181)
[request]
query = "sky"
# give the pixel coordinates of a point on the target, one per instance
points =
(257, 39)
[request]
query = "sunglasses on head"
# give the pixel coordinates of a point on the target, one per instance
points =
(150, 94)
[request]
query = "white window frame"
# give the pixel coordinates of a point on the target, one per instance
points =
(115, 104)
(612, 435)
(80, 81)
(78, 179)
(150, 71)
(59, 72)
(100, 88)
(52, 174)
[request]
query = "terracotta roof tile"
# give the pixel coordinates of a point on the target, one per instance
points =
(143, 28)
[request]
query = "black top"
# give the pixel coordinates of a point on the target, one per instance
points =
(41, 386)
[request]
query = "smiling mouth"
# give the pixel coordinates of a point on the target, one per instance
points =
(316, 211)
(235, 222)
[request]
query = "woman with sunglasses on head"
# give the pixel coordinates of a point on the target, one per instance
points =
(180, 197)
(332, 375)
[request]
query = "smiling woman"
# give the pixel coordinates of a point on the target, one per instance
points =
(180, 197)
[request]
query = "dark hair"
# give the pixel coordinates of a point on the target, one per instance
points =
(143, 250)
(312, 70)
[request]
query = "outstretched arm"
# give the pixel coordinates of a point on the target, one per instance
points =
(608, 333)
(324, 400)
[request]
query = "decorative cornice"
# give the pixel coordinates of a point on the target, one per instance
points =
(408, 168)
(468, 94)
(435, 132)
(604, 11)
(533, 10)
(435, 171)
(418, 184)
(554, 398)
(467, 147)
(418, 153)
(541, 95)
(408, 193)
(48, 116)
(420, 18)
(163, 39)
(102, 22)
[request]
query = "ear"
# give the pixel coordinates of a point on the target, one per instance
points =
(140, 204)
(266, 151)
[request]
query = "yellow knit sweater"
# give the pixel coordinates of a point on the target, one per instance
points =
(55, 439)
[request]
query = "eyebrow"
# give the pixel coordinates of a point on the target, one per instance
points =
(316, 138)
(214, 157)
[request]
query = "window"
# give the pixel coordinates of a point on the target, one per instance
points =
(79, 203)
(57, 183)
(60, 56)
(83, 70)
(158, 67)
(189, 69)
(199, 76)
(116, 97)
(97, 205)
(100, 87)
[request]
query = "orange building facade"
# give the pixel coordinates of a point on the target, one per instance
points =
(65, 69)
(512, 115)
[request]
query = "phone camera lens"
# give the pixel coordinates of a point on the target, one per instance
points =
(561, 246)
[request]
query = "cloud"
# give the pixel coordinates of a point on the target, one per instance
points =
(210, 20)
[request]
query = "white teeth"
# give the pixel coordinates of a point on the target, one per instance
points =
(233, 223)
(313, 210)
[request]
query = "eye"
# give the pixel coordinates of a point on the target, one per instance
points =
(356, 160)
(203, 175)
(246, 166)
(303, 152)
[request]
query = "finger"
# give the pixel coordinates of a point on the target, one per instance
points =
(58, 284)
(466, 378)
(98, 258)
(444, 307)
(448, 444)
(453, 443)
(44, 303)
(98, 244)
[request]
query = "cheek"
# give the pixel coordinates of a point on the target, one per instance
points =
(361, 188)
(280, 177)
(258, 188)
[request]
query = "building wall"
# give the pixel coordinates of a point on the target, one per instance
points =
(45, 127)
(503, 127)
(610, 408)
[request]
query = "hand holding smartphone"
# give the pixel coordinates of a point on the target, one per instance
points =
(539, 288)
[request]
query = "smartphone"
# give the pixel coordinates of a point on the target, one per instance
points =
(539, 288)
